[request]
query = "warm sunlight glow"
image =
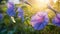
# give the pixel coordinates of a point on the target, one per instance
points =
(39, 4)
(55, 1)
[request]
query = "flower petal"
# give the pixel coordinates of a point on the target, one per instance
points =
(1, 16)
(39, 20)
(56, 20)
(21, 14)
(10, 10)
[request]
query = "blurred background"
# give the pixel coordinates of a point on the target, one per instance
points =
(8, 27)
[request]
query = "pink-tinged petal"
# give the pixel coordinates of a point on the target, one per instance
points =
(39, 20)
(58, 16)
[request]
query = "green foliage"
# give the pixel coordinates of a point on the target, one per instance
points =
(8, 27)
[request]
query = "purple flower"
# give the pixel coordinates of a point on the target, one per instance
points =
(10, 9)
(21, 13)
(56, 20)
(39, 20)
(1, 16)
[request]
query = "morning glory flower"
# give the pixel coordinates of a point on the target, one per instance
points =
(10, 9)
(20, 13)
(39, 20)
(56, 20)
(1, 16)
